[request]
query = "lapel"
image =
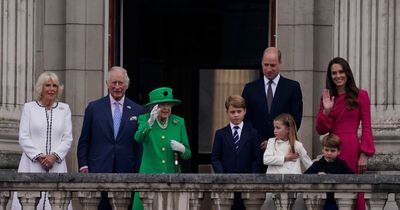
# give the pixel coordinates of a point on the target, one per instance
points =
(279, 91)
(243, 137)
(263, 95)
(108, 115)
(228, 137)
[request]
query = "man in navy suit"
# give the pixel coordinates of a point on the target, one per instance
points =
(236, 146)
(106, 144)
(285, 96)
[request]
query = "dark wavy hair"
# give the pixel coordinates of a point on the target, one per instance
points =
(350, 88)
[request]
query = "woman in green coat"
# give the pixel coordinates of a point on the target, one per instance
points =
(162, 135)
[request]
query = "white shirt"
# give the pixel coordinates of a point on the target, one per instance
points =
(120, 103)
(239, 130)
(274, 157)
(273, 85)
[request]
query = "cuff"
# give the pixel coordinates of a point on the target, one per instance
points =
(36, 157)
(58, 160)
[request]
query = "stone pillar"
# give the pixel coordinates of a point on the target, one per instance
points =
(314, 201)
(222, 200)
(4, 197)
(17, 23)
(89, 200)
(253, 201)
(29, 199)
(284, 201)
(397, 199)
(59, 200)
(346, 201)
(147, 199)
(120, 200)
(376, 201)
(194, 197)
(365, 35)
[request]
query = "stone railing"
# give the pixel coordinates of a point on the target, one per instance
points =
(185, 191)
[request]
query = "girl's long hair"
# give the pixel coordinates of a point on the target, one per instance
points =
(350, 88)
(288, 121)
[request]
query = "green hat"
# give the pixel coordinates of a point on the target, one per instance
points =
(162, 95)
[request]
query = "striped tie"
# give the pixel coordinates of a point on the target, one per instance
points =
(236, 136)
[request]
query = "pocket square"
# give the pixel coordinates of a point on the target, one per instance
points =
(133, 118)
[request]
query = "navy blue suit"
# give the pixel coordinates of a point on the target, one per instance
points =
(287, 99)
(97, 147)
(225, 158)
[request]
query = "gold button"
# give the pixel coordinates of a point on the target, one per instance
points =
(163, 137)
(163, 161)
(163, 149)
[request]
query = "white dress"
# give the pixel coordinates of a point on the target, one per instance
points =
(43, 131)
(274, 157)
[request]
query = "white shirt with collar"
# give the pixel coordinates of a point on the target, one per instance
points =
(120, 102)
(239, 130)
(273, 85)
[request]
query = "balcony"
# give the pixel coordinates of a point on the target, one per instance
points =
(186, 191)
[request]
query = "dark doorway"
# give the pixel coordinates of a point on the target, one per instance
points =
(166, 43)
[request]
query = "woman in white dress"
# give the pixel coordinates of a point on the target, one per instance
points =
(45, 133)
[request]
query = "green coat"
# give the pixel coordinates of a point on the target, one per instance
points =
(158, 157)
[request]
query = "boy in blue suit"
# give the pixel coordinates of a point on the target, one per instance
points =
(236, 147)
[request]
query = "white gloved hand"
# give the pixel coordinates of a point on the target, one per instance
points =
(176, 146)
(153, 115)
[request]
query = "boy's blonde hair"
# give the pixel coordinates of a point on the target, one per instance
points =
(288, 121)
(236, 101)
(331, 141)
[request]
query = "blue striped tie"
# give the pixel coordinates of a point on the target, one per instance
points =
(116, 119)
(236, 136)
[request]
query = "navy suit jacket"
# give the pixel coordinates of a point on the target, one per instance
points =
(97, 147)
(225, 158)
(287, 99)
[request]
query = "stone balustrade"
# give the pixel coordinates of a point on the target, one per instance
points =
(185, 191)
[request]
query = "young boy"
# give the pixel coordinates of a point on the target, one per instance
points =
(330, 164)
(236, 147)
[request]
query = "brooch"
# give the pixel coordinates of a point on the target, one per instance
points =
(175, 121)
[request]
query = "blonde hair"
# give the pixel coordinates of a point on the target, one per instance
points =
(43, 78)
(288, 121)
(236, 101)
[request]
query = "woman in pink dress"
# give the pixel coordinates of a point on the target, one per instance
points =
(343, 106)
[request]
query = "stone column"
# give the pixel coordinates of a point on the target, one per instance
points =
(397, 199)
(120, 200)
(222, 200)
(194, 198)
(376, 201)
(365, 35)
(253, 201)
(59, 200)
(314, 201)
(4, 197)
(284, 201)
(346, 201)
(28, 199)
(147, 199)
(89, 200)
(17, 21)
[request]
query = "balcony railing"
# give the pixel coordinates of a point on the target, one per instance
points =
(185, 191)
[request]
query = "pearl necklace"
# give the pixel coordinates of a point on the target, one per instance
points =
(163, 126)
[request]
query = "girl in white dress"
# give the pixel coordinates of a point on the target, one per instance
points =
(45, 133)
(284, 153)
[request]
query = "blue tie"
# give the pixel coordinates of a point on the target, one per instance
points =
(116, 119)
(236, 136)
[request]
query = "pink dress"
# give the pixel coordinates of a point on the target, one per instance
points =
(344, 123)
